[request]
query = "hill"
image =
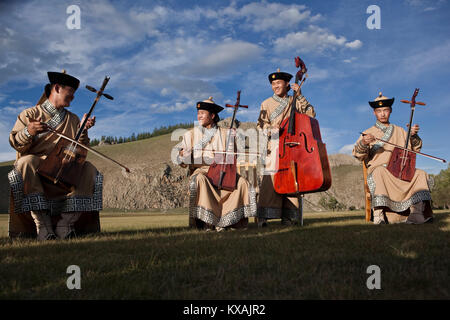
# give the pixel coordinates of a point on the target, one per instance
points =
(155, 182)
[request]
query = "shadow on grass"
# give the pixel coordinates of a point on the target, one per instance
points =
(317, 261)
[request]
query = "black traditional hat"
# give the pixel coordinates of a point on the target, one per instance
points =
(64, 79)
(209, 105)
(381, 101)
(280, 75)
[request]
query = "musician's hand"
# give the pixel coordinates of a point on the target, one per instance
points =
(89, 123)
(414, 129)
(368, 138)
(36, 126)
(296, 87)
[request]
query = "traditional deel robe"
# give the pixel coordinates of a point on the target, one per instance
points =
(274, 110)
(385, 189)
(219, 208)
(30, 192)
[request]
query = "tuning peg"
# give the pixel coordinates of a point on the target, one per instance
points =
(91, 88)
(108, 96)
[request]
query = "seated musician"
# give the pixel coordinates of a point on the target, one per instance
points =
(389, 193)
(209, 207)
(274, 110)
(32, 193)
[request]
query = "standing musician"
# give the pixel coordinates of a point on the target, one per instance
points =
(388, 192)
(45, 200)
(211, 208)
(273, 111)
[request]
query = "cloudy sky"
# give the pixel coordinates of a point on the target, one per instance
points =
(163, 56)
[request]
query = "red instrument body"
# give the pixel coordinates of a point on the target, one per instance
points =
(66, 158)
(402, 163)
(222, 172)
(302, 162)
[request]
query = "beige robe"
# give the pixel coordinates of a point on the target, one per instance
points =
(386, 190)
(30, 192)
(272, 205)
(219, 208)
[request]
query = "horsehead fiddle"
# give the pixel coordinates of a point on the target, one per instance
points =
(302, 162)
(222, 172)
(402, 163)
(64, 164)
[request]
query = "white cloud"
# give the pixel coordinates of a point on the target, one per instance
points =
(7, 153)
(118, 125)
(349, 60)
(20, 102)
(314, 39)
(263, 16)
(223, 58)
(176, 107)
(356, 44)
(363, 109)
(347, 149)
(334, 138)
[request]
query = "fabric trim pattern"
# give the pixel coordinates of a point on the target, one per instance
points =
(38, 202)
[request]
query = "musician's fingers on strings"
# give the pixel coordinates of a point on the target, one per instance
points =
(43, 124)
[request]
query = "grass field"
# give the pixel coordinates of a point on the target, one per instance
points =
(152, 255)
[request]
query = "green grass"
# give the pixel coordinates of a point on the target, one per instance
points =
(142, 255)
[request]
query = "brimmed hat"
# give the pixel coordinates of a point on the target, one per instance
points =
(381, 101)
(209, 105)
(280, 75)
(63, 79)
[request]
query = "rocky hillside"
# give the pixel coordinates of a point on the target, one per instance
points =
(155, 182)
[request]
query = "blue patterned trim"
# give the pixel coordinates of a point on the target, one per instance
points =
(57, 116)
(229, 218)
(396, 206)
(388, 130)
(37, 202)
(284, 102)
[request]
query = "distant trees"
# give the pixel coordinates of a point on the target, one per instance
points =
(441, 191)
(140, 136)
(331, 203)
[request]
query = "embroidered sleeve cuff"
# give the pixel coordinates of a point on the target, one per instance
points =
(361, 148)
(25, 130)
(23, 137)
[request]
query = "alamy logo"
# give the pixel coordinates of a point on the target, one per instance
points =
(73, 281)
(74, 20)
(374, 21)
(374, 281)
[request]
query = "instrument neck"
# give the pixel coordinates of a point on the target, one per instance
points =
(228, 142)
(291, 128)
(408, 136)
(99, 94)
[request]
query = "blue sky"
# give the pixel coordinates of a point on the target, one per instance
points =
(163, 56)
